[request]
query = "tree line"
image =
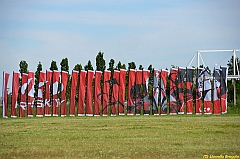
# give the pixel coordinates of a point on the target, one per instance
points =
(101, 66)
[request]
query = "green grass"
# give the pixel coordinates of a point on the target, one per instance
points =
(181, 136)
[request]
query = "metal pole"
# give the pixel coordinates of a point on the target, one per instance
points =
(234, 61)
(202, 60)
(234, 82)
(192, 60)
(198, 58)
(217, 50)
(3, 107)
(234, 91)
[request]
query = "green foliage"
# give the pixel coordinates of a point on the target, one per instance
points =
(141, 67)
(77, 67)
(37, 73)
(209, 70)
(111, 65)
(120, 66)
(100, 65)
(53, 66)
(230, 83)
(173, 66)
(124, 66)
(100, 62)
(230, 65)
(23, 67)
(131, 65)
(64, 65)
(233, 109)
(150, 68)
(111, 68)
(88, 66)
(150, 84)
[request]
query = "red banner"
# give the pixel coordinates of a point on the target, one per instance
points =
(131, 84)
(164, 106)
(189, 90)
(106, 88)
(40, 105)
(47, 93)
(173, 91)
(155, 92)
(64, 81)
(56, 76)
(115, 92)
(216, 90)
(15, 85)
(181, 73)
(30, 93)
(81, 92)
(199, 90)
(146, 100)
(207, 92)
(5, 95)
(224, 90)
(23, 96)
(73, 93)
(89, 99)
(97, 93)
(139, 96)
(122, 85)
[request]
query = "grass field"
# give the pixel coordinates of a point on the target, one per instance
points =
(181, 136)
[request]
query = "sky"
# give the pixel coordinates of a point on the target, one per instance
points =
(161, 33)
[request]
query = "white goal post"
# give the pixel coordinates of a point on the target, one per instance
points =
(236, 74)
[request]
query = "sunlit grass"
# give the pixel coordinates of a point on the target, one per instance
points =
(187, 136)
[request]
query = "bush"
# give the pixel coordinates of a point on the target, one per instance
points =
(233, 109)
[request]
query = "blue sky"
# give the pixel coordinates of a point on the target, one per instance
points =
(154, 32)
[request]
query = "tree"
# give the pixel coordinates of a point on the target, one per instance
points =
(23, 67)
(230, 83)
(150, 68)
(111, 65)
(230, 65)
(37, 73)
(124, 66)
(150, 84)
(64, 65)
(173, 66)
(53, 66)
(131, 65)
(120, 66)
(100, 62)
(77, 67)
(100, 65)
(141, 67)
(88, 66)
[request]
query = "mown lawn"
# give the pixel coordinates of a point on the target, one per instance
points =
(180, 136)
